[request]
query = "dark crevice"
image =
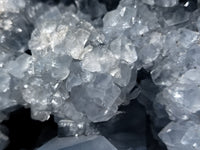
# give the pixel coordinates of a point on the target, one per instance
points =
(152, 143)
(56, 2)
(26, 133)
(28, 52)
(147, 96)
(110, 4)
(50, 2)
(142, 74)
(189, 5)
(131, 129)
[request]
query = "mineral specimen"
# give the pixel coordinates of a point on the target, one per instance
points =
(83, 63)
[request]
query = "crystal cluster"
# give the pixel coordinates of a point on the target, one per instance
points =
(84, 63)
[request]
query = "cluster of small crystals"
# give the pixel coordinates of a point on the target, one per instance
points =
(83, 67)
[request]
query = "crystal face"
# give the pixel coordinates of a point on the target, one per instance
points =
(74, 143)
(84, 67)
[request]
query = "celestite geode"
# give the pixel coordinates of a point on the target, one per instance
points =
(84, 64)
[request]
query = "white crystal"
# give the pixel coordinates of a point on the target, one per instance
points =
(76, 42)
(37, 91)
(11, 5)
(181, 135)
(121, 18)
(99, 60)
(122, 48)
(19, 66)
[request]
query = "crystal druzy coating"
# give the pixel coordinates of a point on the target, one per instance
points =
(80, 61)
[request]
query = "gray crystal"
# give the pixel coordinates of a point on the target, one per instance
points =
(78, 143)
(97, 98)
(22, 63)
(176, 16)
(149, 2)
(4, 81)
(3, 141)
(166, 3)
